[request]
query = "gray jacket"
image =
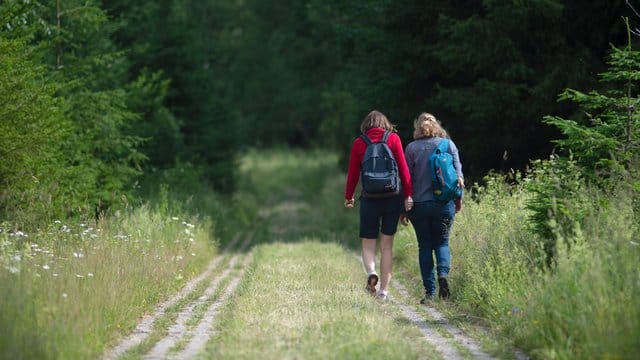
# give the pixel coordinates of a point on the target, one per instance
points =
(417, 156)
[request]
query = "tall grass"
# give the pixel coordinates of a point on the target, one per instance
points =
(585, 305)
(588, 304)
(69, 289)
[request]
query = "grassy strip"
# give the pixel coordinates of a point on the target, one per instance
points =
(164, 322)
(199, 312)
(306, 300)
(69, 290)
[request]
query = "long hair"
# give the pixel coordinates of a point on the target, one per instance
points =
(426, 125)
(376, 119)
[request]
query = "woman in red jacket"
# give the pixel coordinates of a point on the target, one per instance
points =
(378, 215)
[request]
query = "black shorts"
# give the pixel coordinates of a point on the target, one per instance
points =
(379, 215)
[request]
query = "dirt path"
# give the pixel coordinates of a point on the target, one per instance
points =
(193, 326)
(442, 344)
(195, 336)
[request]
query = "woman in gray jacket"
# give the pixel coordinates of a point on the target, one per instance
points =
(431, 219)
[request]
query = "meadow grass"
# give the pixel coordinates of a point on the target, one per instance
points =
(69, 290)
(305, 300)
(584, 306)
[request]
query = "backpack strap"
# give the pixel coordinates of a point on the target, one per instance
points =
(386, 135)
(366, 139)
(443, 145)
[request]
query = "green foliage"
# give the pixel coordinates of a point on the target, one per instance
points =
(484, 68)
(559, 200)
(69, 93)
(32, 129)
(587, 304)
(156, 124)
(603, 153)
(605, 141)
(103, 151)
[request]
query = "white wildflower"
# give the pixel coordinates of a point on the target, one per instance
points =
(16, 257)
(633, 243)
(55, 275)
(90, 274)
(57, 222)
(179, 257)
(175, 218)
(46, 267)
(78, 255)
(191, 225)
(79, 276)
(193, 254)
(13, 269)
(64, 295)
(191, 239)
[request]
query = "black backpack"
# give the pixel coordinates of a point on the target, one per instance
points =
(379, 169)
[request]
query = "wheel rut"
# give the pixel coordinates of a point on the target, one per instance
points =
(182, 340)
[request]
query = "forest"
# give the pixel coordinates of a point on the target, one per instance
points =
(157, 149)
(99, 98)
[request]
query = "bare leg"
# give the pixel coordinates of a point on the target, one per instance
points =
(386, 260)
(369, 255)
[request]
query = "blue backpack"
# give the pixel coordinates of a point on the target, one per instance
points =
(379, 169)
(443, 173)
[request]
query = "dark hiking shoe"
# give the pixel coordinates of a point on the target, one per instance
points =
(372, 281)
(443, 286)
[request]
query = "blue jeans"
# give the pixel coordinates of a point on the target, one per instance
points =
(432, 222)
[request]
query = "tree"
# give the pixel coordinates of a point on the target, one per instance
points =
(32, 127)
(605, 140)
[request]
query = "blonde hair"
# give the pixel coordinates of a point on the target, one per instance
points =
(426, 125)
(376, 119)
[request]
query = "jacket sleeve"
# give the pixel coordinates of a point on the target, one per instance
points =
(453, 149)
(403, 169)
(353, 173)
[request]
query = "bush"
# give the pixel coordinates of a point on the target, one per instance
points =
(557, 200)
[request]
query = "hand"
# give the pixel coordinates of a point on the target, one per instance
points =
(458, 203)
(349, 203)
(461, 183)
(408, 203)
(404, 219)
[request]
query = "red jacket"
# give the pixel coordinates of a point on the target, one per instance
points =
(357, 153)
